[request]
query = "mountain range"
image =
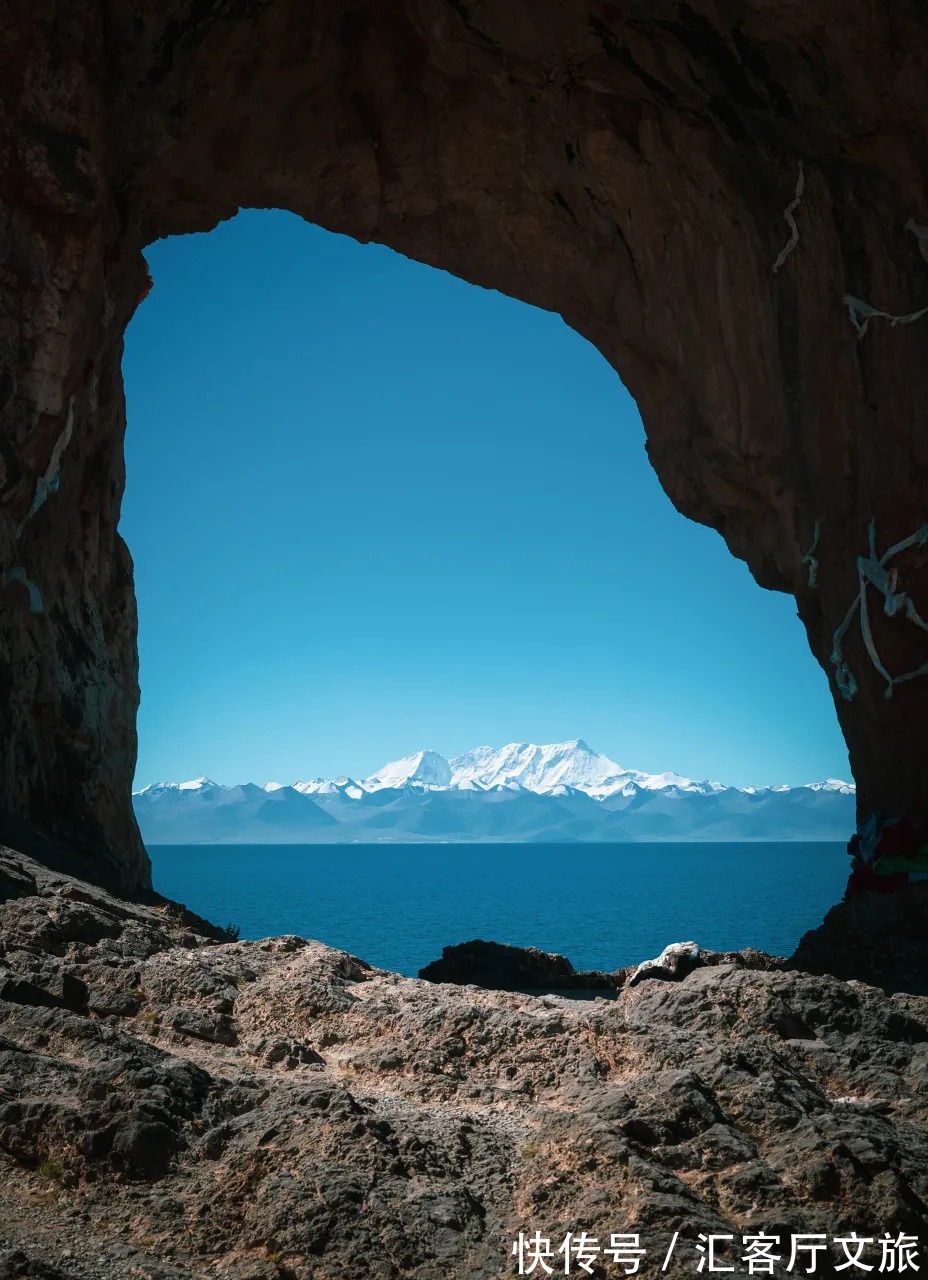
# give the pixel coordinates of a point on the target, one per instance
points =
(558, 793)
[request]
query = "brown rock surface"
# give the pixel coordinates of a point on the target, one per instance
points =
(629, 166)
(277, 1109)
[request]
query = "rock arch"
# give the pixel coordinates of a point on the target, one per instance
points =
(719, 197)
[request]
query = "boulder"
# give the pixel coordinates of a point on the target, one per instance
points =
(500, 966)
(674, 962)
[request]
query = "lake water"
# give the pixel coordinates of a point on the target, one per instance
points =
(602, 906)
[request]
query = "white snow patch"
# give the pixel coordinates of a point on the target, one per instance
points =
(832, 784)
(426, 767)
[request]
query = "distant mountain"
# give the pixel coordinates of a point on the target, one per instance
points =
(560, 764)
(427, 768)
(203, 812)
(558, 793)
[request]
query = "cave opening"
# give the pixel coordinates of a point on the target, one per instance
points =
(730, 208)
(374, 509)
(758, 284)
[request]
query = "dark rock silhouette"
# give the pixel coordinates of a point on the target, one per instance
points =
(501, 967)
(879, 938)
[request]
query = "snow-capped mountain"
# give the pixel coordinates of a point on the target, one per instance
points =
(346, 787)
(561, 764)
(834, 785)
(196, 784)
(427, 768)
(558, 792)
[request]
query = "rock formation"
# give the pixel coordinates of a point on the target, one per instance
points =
(674, 962)
(499, 966)
(730, 203)
(882, 938)
(171, 1108)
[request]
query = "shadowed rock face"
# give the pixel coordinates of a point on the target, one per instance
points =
(628, 166)
(278, 1110)
(498, 966)
(879, 938)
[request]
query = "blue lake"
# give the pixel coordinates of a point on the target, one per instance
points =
(602, 906)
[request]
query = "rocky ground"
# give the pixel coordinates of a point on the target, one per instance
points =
(175, 1107)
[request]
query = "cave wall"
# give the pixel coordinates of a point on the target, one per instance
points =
(627, 165)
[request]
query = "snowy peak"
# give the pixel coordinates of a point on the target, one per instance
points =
(196, 784)
(337, 787)
(553, 769)
(425, 768)
(572, 764)
(522, 792)
(538, 768)
(832, 784)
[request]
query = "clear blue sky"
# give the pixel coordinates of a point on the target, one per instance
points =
(374, 508)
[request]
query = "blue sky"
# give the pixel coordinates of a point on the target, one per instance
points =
(374, 508)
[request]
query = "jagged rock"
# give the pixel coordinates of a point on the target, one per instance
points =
(73, 992)
(287, 1052)
(143, 1148)
(501, 967)
(14, 884)
(115, 1004)
(369, 1125)
(202, 1025)
(16, 1265)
